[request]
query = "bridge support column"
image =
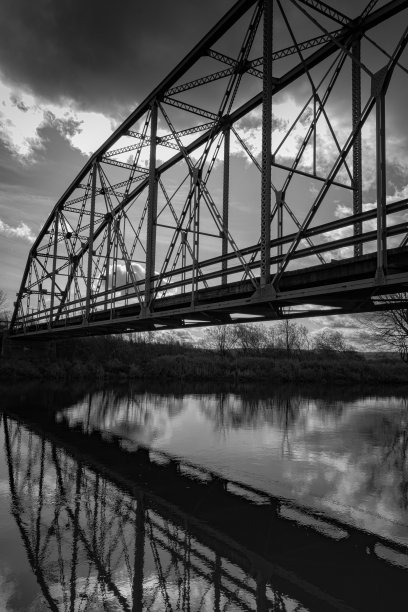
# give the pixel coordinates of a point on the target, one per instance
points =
(356, 114)
(54, 267)
(266, 143)
(379, 93)
(196, 178)
(107, 264)
(152, 210)
(90, 244)
(225, 203)
(279, 210)
(183, 257)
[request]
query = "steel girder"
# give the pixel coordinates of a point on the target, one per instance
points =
(176, 218)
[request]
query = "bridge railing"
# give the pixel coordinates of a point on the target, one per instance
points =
(178, 282)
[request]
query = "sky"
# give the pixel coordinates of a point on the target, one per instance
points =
(71, 72)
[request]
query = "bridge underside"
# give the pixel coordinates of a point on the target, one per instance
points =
(258, 191)
(340, 287)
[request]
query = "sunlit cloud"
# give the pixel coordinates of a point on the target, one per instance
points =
(21, 231)
(22, 115)
(288, 116)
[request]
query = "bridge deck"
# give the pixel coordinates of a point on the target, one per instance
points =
(342, 286)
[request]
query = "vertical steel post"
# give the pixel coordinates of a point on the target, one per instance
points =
(116, 229)
(90, 243)
(54, 266)
(279, 207)
(266, 143)
(196, 234)
(314, 134)
(152, 207)
(108, 248)
(225, 203)
(378, 92)
(183, 258)
(381, 189)
(356, 114)
(138, 573)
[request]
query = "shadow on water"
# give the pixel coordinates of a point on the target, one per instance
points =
(117, 526)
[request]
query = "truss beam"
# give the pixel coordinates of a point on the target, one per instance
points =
(177, 203)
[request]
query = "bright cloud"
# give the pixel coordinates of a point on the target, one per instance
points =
(287, 113)
(21, 231)
(22, 115)
(343, 210)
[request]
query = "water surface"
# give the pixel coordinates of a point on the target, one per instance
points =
(72, 539)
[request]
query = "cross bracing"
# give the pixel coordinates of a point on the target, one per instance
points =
(258, 164)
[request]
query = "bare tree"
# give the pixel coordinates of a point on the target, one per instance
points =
(331, 341)
(220, 338)
(291, 336)
(3, 299)
(389, 327)
(4, 314)
(250, 336)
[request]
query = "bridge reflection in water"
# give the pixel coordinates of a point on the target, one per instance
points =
(108, 528)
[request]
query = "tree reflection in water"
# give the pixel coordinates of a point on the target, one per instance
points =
(388, 437)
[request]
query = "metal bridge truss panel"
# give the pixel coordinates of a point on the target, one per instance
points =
(244, 187)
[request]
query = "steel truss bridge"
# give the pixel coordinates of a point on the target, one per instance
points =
(214, 202)
(106, 529)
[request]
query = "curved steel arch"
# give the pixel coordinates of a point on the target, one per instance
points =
(75, 281)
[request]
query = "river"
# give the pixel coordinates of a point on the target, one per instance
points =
(184, 498)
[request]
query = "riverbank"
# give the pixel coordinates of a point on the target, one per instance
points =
(115, 359)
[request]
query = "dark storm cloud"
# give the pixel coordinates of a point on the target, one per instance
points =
(254, 122)
(28, 190)
(19, 103)
(250, 122)
(67, 127)
(105, 55)
(51, 166)
(397, 177)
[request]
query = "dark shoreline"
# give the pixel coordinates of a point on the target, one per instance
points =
(117, 360)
